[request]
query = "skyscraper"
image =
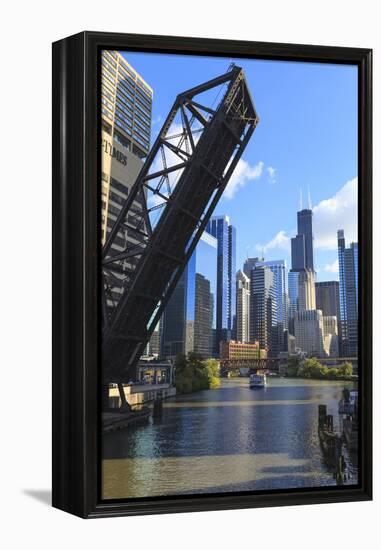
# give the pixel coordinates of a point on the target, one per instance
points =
(263, 311)
(126, 129)
(243, 307)
(301, 278)
(306, 290)
(220, 228)
(309, 332)
(331, 335)
(304, 246)
(279, 269)
(249, 264)
(125, 141)
(189, 318)
(327, 298)
(348, 277)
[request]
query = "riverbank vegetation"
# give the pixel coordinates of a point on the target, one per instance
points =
(312, 368)
(192, 373)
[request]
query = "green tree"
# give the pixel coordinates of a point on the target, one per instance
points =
(346, 369)
(293, 365)
(192, 373)
(312, 368)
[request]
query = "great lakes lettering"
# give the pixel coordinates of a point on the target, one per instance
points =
(114, 152)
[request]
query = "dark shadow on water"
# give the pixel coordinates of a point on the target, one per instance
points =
(42, 495)
(285, 482)
(285, 469)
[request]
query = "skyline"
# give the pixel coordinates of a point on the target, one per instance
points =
(279, 161)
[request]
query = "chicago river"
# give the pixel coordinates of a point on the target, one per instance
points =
(227, 439)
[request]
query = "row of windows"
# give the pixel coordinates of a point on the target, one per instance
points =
(122, 82)
(142, 118)
(109, 57)
(142, 128)
(125, 67)
(123, 118)
(106, 127)
(145, 89)
(108, 77)
(119, 186)
(125, 98)
(140, 140)
(108, 67)
(123, 126)
(122, 140)
(146, 114)
(124, 110)
(107, 113)
(116, 198)
(143, 98)
(113, 209)
(107, 94)
(127, 89)
(108, 104)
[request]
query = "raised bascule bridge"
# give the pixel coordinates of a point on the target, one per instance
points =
(166, 212)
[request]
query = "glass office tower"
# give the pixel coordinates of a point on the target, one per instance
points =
(224, 232)
(189, 319)
(348, 286)
(263, 310)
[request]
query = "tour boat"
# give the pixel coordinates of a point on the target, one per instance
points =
(257, 381)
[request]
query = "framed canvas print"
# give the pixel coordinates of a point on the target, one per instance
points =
(212, 296)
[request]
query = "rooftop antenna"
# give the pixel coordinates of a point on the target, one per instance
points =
(309, 199)
(301, 200)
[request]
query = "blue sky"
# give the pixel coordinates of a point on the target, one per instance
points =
(306, 139)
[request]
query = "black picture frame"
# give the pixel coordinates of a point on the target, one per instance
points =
(76, 341)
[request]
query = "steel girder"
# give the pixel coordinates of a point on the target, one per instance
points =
(182, 180)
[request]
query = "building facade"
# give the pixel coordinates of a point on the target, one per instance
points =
(239, 350)
(309, 332)
(125, 141)
(301, 278)
(188, 321)
(303, 246)
(348, 286)
(220, 228)
(243, 307)
(249, 264)
(331, 335)
(306, 290)
(327, 298)
(263, 312)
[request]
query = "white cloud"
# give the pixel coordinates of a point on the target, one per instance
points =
(280, 241)
(157, 120)
(332, 268)
(243, 173)
(271, 173)
(337, 212)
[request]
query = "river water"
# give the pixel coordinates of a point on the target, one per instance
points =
(228, 439)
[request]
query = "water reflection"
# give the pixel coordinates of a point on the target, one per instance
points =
(229, 439)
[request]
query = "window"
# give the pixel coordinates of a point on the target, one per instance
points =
(122, 140)
(109, 58)
(107, 113)
(106, 127)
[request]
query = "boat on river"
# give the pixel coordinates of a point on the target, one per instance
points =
(257, 381)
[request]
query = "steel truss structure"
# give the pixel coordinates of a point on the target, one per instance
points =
(174, 195)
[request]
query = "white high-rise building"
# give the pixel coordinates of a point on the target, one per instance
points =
(309, 332)
(331, 335)
(306, 290)
(243, 307)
